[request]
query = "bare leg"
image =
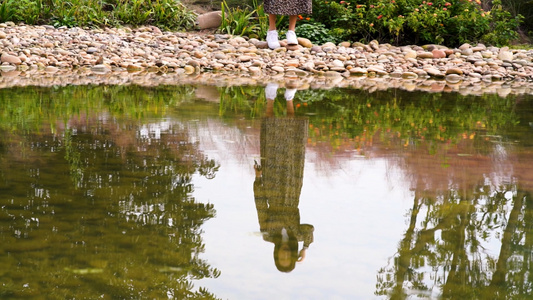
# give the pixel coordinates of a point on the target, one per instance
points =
(292, 22)
(270, 108)
(272, 22)
(290, 108)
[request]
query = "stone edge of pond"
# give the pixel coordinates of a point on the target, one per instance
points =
(150, 79)
(48, 56)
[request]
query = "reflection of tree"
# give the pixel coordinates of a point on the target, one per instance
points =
(128, 228)
(471, 241)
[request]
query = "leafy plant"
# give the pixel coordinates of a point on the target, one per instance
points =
(450, 22)
(6, 10)
(168, 14)
(317, 33)
(239, 21)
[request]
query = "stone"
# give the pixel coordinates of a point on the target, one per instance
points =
(467, 51)
(189, 69)
(38, 48)
(454, 71)
(7, 68)
(358, 71)
(261, 45)
(316, 49)
(134, 68)
(454, 78)
(10, 59)
(51, 69)
(486, 54)
(198, 54)
(209, 20)
(505, 55)
(409, 75)
(434, 72)
(437, 53)
(305, 42)
(337, 63)
(345, 44)
(465, 46)
(91, 50)
(220, 55)
(410, 54)
(101, 68)
(292, 63)
(278, 69)
(245, 58)
(292, 47)
(424, 55)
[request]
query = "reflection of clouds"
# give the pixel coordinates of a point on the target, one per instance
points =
(154, 130)
(502, 166)
(227, 143)
(146, 214)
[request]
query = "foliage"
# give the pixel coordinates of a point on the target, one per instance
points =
(317, 33)
(248, 20)
(6, 10)
(131, 203)
(450, 22)
(352, 118)
(240, 21)
(524, 8)
(167, 14)
(418, 21)
(501, 32)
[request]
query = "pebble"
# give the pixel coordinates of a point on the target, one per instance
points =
(114, 52)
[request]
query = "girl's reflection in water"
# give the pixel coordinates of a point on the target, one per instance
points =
(278, 182)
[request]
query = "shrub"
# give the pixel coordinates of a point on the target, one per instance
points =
(167, 14)
(240, 21)
(316, 33)
(450, 22)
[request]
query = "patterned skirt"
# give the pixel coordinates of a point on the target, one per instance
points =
(288, 7)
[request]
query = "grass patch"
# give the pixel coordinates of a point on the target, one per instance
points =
(165, 14)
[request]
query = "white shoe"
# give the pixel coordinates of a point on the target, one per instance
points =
(291, 38)
(272, 39)
(271, 90)
(289, 94)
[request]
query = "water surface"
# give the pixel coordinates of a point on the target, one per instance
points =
(125, 192)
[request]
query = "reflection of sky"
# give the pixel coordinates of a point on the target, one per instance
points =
(359, 217)
(358, 206)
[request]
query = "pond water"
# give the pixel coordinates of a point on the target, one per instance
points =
(204, 192)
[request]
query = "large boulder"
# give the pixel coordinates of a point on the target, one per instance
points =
(209, 20)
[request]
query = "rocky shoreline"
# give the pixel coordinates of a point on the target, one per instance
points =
(46, 56)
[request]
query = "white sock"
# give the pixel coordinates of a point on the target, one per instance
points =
(271, 90)
(289, 94)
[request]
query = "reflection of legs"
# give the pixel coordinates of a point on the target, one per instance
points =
(289, 95)
(270, 108)
(290, 108)
(271, 91)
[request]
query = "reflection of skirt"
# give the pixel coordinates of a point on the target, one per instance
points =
(283, 156)
(288, 7)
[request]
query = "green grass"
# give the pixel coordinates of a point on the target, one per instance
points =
(165, 14)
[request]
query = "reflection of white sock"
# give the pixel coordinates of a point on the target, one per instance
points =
(289, 94)
(271, 90)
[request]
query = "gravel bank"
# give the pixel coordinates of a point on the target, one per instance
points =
(44, 55)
